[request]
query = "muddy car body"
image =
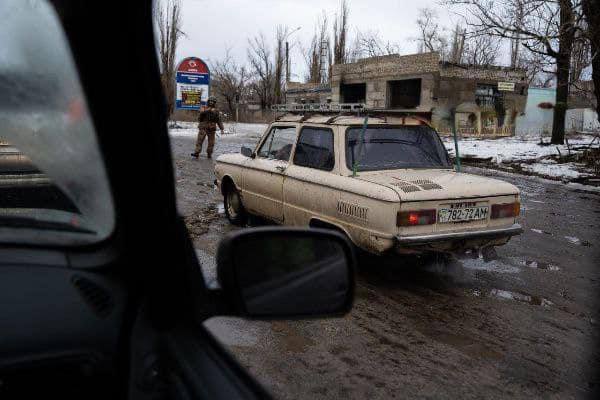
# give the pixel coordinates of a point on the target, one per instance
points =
(386, 182)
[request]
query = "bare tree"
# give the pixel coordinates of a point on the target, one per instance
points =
(431, 34)
(591, 10)
(229, 80)
(547, 27)
(167, 17)
(481, 50)
(316, 64)
(540, 69)
(261, 64)
(370, 44)
(457, 49)
(340, 31)
(581, 56)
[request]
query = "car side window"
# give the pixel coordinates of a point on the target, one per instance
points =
(315, 149)
(278, 144)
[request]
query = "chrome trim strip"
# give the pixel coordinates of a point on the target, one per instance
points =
(515, 229)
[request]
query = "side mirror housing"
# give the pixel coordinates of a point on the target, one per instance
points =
(246, 151)
(286, 273)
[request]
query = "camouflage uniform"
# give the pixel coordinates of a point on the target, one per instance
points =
(208, 120)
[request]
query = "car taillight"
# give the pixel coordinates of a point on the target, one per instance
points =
(508, 210)
(412, 218)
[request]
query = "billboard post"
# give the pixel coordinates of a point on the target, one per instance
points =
(192, 84)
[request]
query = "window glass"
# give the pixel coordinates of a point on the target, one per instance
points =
(394, 147)
(315, 149)
(53, 186)
(278, 145)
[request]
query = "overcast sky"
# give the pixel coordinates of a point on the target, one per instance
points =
(212, 26)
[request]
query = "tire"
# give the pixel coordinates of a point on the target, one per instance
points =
(234, 209)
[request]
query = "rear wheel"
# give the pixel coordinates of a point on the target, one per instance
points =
(234, 209)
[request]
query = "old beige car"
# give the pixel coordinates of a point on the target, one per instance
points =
(386, 182)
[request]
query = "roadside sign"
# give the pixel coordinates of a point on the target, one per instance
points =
(506, 86)
(192, 83)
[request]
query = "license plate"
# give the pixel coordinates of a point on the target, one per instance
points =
(461, 214)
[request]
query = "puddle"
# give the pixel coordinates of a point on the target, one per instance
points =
(578, 242)
(519, 297)
(490, 266)
(221, 208)
(540, 231)
(573, 239)
(539, 265)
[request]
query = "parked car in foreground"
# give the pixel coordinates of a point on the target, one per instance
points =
(386, 182)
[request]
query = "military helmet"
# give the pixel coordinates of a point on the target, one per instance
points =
(212, 101)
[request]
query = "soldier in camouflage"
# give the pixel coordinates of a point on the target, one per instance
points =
(208, 120)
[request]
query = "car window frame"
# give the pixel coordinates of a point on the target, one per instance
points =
(332, 147)
(388, 126)
(268, 134)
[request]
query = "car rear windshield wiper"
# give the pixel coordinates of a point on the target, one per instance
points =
(28, 222)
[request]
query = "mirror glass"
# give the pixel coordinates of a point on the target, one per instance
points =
(279, 274)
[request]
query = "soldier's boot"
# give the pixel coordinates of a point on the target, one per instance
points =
(195, 155)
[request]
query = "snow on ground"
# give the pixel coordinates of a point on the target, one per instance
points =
(190, 129)
(511, 148)
(527, 152)
(566, 170)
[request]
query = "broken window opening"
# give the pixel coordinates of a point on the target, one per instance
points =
(353, 93)
(405, 93)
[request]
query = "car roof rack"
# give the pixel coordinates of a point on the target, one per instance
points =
(320, 108)
(339, 110)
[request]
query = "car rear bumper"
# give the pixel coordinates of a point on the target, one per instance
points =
(491, 234)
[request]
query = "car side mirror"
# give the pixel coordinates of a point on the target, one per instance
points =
(286, 272)
(246, 151)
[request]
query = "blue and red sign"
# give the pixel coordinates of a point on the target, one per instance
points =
(192, 83)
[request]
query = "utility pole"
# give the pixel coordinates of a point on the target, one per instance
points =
(287, 62)
(323, 61)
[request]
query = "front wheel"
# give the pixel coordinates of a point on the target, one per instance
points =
(234, 209)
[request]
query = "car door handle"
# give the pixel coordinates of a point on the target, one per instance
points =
(280, 168)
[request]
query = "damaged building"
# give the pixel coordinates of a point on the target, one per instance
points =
(478, 100)
(302, 93)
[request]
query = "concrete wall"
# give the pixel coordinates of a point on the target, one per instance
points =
(307, 97)
(377, 71)
(483, 73)
(536, 121)
(454, 90)
(297, 92)
(384, 67)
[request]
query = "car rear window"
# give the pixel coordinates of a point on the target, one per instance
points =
(380, 148)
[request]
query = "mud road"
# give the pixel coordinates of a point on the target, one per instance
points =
(522, 325)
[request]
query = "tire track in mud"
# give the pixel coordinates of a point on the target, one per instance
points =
(448, 317)
(200, 219)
